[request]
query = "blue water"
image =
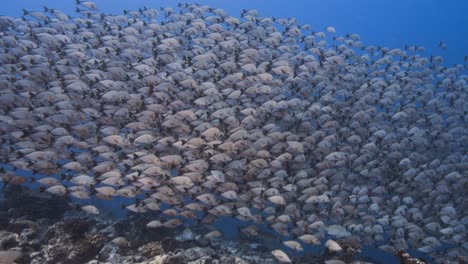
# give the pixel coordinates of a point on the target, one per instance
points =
(390, 23)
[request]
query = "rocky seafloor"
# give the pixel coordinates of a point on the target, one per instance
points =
(38, 228)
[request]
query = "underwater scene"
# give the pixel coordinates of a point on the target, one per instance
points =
(233, 132)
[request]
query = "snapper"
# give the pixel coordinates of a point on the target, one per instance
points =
(251, 117)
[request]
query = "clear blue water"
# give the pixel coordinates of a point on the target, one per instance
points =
(392, 24)
(389, 23)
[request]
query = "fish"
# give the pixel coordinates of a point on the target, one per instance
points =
(209, 115)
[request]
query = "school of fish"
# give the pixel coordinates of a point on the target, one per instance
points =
(199, 114)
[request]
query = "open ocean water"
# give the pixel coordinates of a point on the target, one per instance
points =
(352, 128)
